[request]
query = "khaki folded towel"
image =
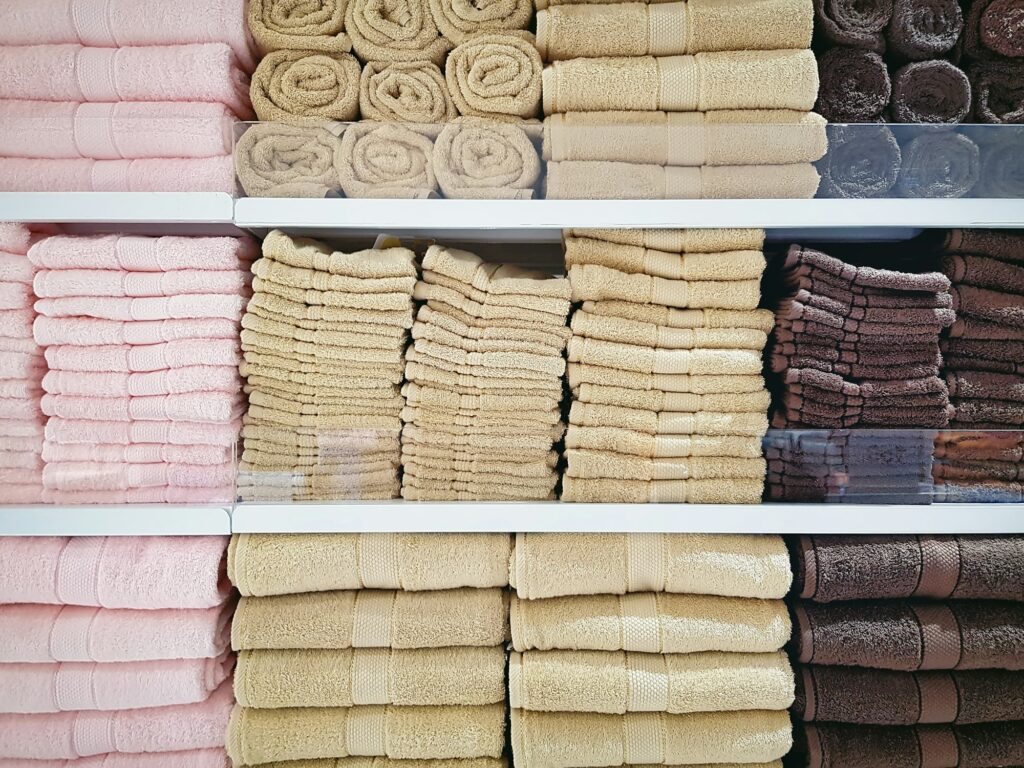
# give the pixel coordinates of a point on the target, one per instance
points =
(365, 469)
(389, 405)
(616, 329)
(468, 327)
(348, 335)
(539, 422)
(554, 310)
(579, 374)
(289, 84)
(282, 418)
(386, 160)
(389, 302)
(475, 158)
(428, 373)
(606, 464)
(290, 25)
(311, 316)
(655, 314)
(680, 240)
(495, 74)
(323, 486)
(589, 739)
(360, 373)
(650, 622)
(445, 399)
(496, 429)
(495, 278)
(719, 491)
(492, 311)
(302, 393)
(279, 160)
(322, 280)
(686, 402)
(550, 365)
(384, 762)
(405, 92)
(730, 265)
(479, 367)
(696, 362)
(434, 332)
(452, 303)
(592, 282)
(270, 495)
(286, 564)
(486, 489)
(305, 253)
(314, 441)
(460, 462)
(488, 446)
(668, 423)
(312, 353)
(459, 19)
(410, 493)
(394, 30)
(616, 682)
(503, 479)
(411, 733)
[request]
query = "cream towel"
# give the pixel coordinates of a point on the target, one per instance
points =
(422, 476)
(492, 312)
(316, 444)
(550, 365)
(541, 4)
(389, 302)
(312, 353)
(485, 159)
(619, 330)
(592, 282)
(688, 402)
(325, 334)
(305, 253)
(425, 458)
(330, 485)
(405, 92)
(655, 314)
(660, 446)
(696, 362)
(279, 160)
(650, 622)
(458, 323)
(668, 423)
(410, 733)
(394, 30)
(383, 373)
(484, 421)
(286, 564)
(782, 79)
(554, 564)
(386, 160)
(433, 332)
(545, 307)
(719, 491)
(459, 19)
(269, 495)
(287, 24)
(606, 464)
(321, 280)
(387, 424)
(291, 84)
(495, 74)
(427, 373)
(730, 265)
(410, 493)
(484, 490)
(380, 405)
(525, 320)
(494, 278)
(383, 762)
(579, 374)
(446, 399)
(616, 682)
(369, 333)
(680, 240)
(500, 446)
(313, 315)
(497, 428)
(382, 471)
(334, 395)
(478, 367)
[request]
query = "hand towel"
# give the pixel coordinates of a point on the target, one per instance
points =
(405, 92)
(209, 407)
(679, 240)
(200, 378)
(503, 481)
(861, 162)
(385, 160)
(619, 330)
(933, 91)
(440, 327)
(92, 476)
(521, 362)
(54, 283)
(155, 495)
(983, 385)
(485, 492)
(800, 258)
(283, 25)
(152, 357)
(498, 446)
(311, 255)
(426, 459)
(427, 374)
(195, 758)
(207, 174)
(495, 74)
(998, 97)
(356, 300)
(730, 265)
(973, 493)
(693, 491)
(486, 159)
(132, 253)
(446, 400)
(152, 308)
(990, 31)
(653, 314)
(992, 306)
(458, 20)
(1004, 245)
(923, 29)
(653, 360)
(373, 335)
(607, 464)
(290, 84)
(676, 402)
(984, 273)
(854, 24)
(592, 282)
(91, 332)
(506, 280)
(79, 432)
(637, 443)
(394, 30)
(922, 174)
(281, 160)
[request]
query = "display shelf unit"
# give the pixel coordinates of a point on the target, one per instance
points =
(151, 208)
(126, 520)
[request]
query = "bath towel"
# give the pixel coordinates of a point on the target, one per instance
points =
(385, 160)
(525, 365)
(799, 258)
(923, 174)
(984, 272)
(933, 91)
(131, 253)
(984, 349)
(211, 407)
(401, 30)
(985, 385)
(74, 432)
(486, 159)
(730, 265)
(653, 314)
(998, 96)
(58, 331)
(420, 396)
(441, 325)
(154, 495)
(290, 84)
(54, 283)
(283, 25)
(859, 25)
(458, 20)
(495, 74)
(505, 280)
(480, 368)
(280, 160)
(306, 254)
(206, 174)
(153, 453)
(405, 92)
(680, 402)
(625, 331)
(861, 162)
(582, 373)
(592, 282)
(195, 758)
(1005, 245)
(679, 240)
(990, 31)
(720, 491)
(151, 308)
(923, 29)
(282, 274)
(606, 464)
(653, 360)
(199, 378)
(153, 357)
(93, 476)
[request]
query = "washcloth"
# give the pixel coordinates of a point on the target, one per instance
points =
(1006, 412)
(54, 283)
(154, 495)
(485, 159)
(281, 160)
(207, 174)
(992, 30)
(730, 265)
(626, 331)
(984, 273)
(992, 306)
(306, 254)
(291, 84)
(719, 491)
(73, 432)
(1006, 245)
(592, 282)
(682, 240)
(283, 274)
(933, 91)
(458, 20)
(395, 30)
(653, 314)
(658, 400)
(799, 258)
(941, 164)
(427, 374)
(984, 349)
(287, 25)
(441, 325)
(495, 74)
(923, 29)
(153, 357)
(862, 161)
(605, 464)
(581, 373)
(998, 94)
(405, 92)
(385, 161)
(199, 378)
(418, 395)
(856, 24)
(479, 279)
(152, 308)
(652, 360)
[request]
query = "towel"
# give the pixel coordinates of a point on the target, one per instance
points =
(923, 29)
(281, 160)
(131, 253)
(849, 23)
(992, 306)
(192, 406)
(196, 758)
(855, 85)
(990, 31)
(803, 259)
(78, 432)
(653, 314)
(985, 385)
(155, 495)
(485, 159)
(861, 162)
(984, 273)
(679, 240)
(441, 325)
(54, 283)
(651, 360)
(495, 74)
(394, 30)
(153, 453)
(732, 265)
(606, 464)
(290, 84)
(153, 357)
(405, 92)
(427, 374)
(306, 254)
(151, 308)
(998, 97)
(592, 282)
(623, 331)
(200, 378)
(284, 25)
(207, 174)
(1004, 245)
(93, 476)
(477, 278)
(676, 402)
(58, 331)
(426, 397)
(385, 160)
(283, 274)
(582, 373)
(933, 91)
(924, 174)
(693, 491)
(458, 20)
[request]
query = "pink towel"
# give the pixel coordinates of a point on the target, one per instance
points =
(146, 572)
(23, 493)
(142, 453)
(154, 308)
(16, 323)
(80, 734)
(192, 406)
(153, 357)
(94, 476)
(14, 267)
(18, 238)
(21, 365)
(125, 433)
(197, 378)
(207, 174)
(24, 460)
(52, 283)
(20, 389)
(20, 444)
(21, 428)
(15, 295)
(144, 254)
(168, 495)
(74, 686)
(85, 331)
(20, 409)
(26, 345)
(197, 758)
(72, 72)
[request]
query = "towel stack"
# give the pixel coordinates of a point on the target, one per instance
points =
(324, 344)
(484, 381)
(143, 393)
(910, 647)
(121, 96)
(649, 649)
(856, 346)
(383, 646)
(114, 652)
(665, 366)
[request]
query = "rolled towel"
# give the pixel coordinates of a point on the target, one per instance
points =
(939, 164)
(593, 282)
(279, 160)
(495, 74)
(923, 29)
(998, 91)
(385, 160)
(855, 86)
(856, 24)
(206, 174)
(458, 20)
(405, 92)
(289, 84)
(993, 30)
(862, 161)
(1002, 166)
(930, 92)
(485, 159)
(287, 25)
(395, 30)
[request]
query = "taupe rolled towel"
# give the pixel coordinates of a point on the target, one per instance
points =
(862, 161)
(280, 160)
(930, 92)
(939, 164)
(395, 30)
(485, 159)
(495, 74)
(855, 85)
(290, 84)
(405, 92)
(993, 29)
(853, 23)
(385, 160)
(289, 25)
(998, 88)
(923, 29)
(459, 19)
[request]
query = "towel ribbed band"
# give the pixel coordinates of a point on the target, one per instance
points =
(810, 561)
(94, 70)
(73, 689)
(681, 401)
(111, 176)
(644, 561)
(642, 742)
(647, 674)
(378, 561)
(666, 26)
(92, 734)
(94, 131)
(641, 627)
(810, 712)
(78, 571)
(91, 21)
(938, 746)
(366, 730)
(370, 676)
(372, 618)
(679, 84)
(666, 446)
(668, 492)
(137, 253)
(515, 681)
(940, 567)
(940, 636)
(677, 423)
(939, 700)
(680, 184)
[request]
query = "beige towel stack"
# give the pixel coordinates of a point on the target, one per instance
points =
(665, 361)
(483, 381)
(370, 646)
(323, 340)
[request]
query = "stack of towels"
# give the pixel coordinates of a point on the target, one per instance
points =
(856, 346)
(114, 652)
(686, 99)
(665, 366)
(909, 649)
(143, 393)
(381, 646)
(324, 344)
(649, 649)
(484, 381)
(122, 96)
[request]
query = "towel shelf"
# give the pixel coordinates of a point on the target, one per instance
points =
(120, 520)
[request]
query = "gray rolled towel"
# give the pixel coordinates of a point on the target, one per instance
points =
(862, 161)
(1002, 161)
(941, 163)
(930, 92)
(854, 85)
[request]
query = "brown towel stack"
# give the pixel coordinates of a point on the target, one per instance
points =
(665, 366)
(483, 381)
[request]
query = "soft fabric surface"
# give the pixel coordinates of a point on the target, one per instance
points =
(458, 20)
(861, 162)
(395, 31)
(281, 160)
(386, 161)
(285, 25)
(495, 74)
(860, 25)
(291, 84)
(205, 174)
(485, 159)
(405, 91)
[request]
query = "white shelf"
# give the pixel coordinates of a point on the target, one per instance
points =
(118, 207)
(128, 520)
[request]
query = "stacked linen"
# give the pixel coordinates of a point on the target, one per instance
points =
(143, 393)
(909, 649)
(382, 646)
(115, 652)
(665, 366)
(324, 341)
(484, 381)
(659, 649)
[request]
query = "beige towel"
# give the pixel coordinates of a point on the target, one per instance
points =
(581, 373)
(538, 422)
(616, 682)
(303, 393)
(323, 280)
(371, 263)
(268, 495)
(658, 400)
(494, 310)
(484, 489)
(599, 180)
(667, 422)
(522, 327)
(550, 365)
(680, 240)
(301, 84)
(278, 160)
(467, 327)
(387, 424)
(432, 375)
(428, 458)
(383, 762)
(459, 19)
(434, 332)
(667, 29)
(719, 491)
(386, 160)
(383, 373)
(410, 493)
(382, 406)
(555, 308)
(341, 485)
(606, 464)
(394, 30)
(660, 446)
(433, 397)
(592, 282)
(287, 24)
(389, 302)
(497, 429)
(650, 622)
(555, 564)
(654, 314)
(478, 367)
(305, 382)
(316, 442)
(405, 92)
(485, 159)
(326, 334)
(256, 462)
(374, 334)
(541, 4)
(730, 265)
(695, 362)
(422, 476)
(411, 733)
(306, 315)
(312, 352)
(786, 79)
(495, 278)
(627, 331)
(495, 74)
(500, 446)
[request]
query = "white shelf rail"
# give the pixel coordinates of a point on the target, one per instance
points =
(125, 520)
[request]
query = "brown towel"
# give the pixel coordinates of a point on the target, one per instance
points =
(985, 385)
(385, 160)
(496, 74)
(998, 93)
(985, 273)
(394, 30)
(933, 91)
(405, 92)
(992, 30)
(1004, 244)
(279, 160)
(290, 84)
(868, 277)
(855, 87)
(585, 373)
(628, 332)
(860, 25)
(485, 159)
(668, 423)
(980, 446)
(923, 29)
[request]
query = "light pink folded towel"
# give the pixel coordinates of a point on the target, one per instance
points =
(18, 238)
(19, 409)
(22, 428)
(166, 495)
(34, 444)
(196, 378)
(16, 323)
(152, 357)
(191, 406)
(23, 493)
(205, 174)
(78, 432)
(146, 572)
(21, 365)
(197, 758)
(19, 389)
(15, 295)
(15, 268)
(28, 345)
(89, 332)
(142, 453)
(153, 308)
(73, 686)
(20, 460)
(209, 72)
(144, 254)
(94, 476)
(157, 729)
(51, 283)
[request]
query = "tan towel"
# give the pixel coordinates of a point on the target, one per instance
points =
(680, 240)
(405, 92)
(279, 160)
(371, 263)
(383, 762)
(268, 495)
(485, 159)
(390, 405)
(506, 477)
(434, 397)
(393, 322)
(341, 441)
(388, 302)
(730, 265)
(539, 422)
(435, 332)
(394, 30)
(426, 457)
(383, 471)
(627, 331)
(786, 79)
(655, 314)
(303, 382)
(459, 19)
(592, 282)
(386, 160)
(718, 491)
(325, 420)
(486, 489)
(275, 564)
(667, 422)
(500, 446)
(326, 334)
(331, 485)
(495, 74)
(695, 362)
(616, 682)
(359, 372)
(550, 365)
(553, 309)
(374, 334)
(478, 367)
(304, 393)
(411, 733)
(302, 84)
(286, 24)
(582, 373)
(316, 279)
(430, 374)
(497, 430)
(606, 464)
(660, 446)
(495, 278)
(651, 622)
(657, 400)
(494, 311)
(468, 327)
(313, 352)
(541, 4)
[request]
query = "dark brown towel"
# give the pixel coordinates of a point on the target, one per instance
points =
(939, 163)
(985, 385)
(862, 161)
(980, 446)
(845, 337)
(998, 88)
(986, 349)
(854, 86)
(890, 321)
(925, 354)
(780, 363)
(828, 397)
(819, 290)
(993, 29)
(865, 389)
(814, 415)
(1005, 244)
(931, 91)
(967, 327)
(1004, 412)
(852, 22)
(993, 306)
(985, 273)
(1007, 471)
(923, 29)
(962, 362)
(979, 492)
(869, 277)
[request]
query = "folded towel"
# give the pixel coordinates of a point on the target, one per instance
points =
(446, 400)
(200, 378)
(506, 280)
(54, 283)
(984, 349)
(718, 491)
(385, 160)
(606, 464)
(458, 21)
(207, 174)
(643, 334)
(980, 446)
(281, 160)
(405, 92)
(861, 162)
(196, 758)
(431, 375)
(482, 444)
(979, 470)
(990, 31)
(654, 314)
(1005, 412)
(486, 159)
(306, 254)
(152, 357)
(152, 308)
(731, 265)
(684, 402)
(979, 492)
(984, 273)
(592, 282)
(652, 360)
(990, 305)
(94, 476)
(390, 302)
(933, 91)
(923, 29)
(155, 495)
(291, 84)
(985, 385)
(441, 326)
(282, 274)
(495, 74)
(997, 244)
(211, 407)
(91, 332)
(143, 453)
(400, 31)
(856, 24)
(128, 433)
(283, 25)
(143, 254)
(945, 164)
(680, 240)
(800, 258)
(998, 97)
(582, 373)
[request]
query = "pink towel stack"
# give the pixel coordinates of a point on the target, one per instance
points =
(121, 95)
(143, 394)
(114, 652)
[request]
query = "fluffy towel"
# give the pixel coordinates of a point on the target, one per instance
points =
(800, 258)
(280, 160)
(385, 161)
(984, 273)
(653, 314)
(992, 30)
(92, 476)
(687, 402)
(199, 378)
(945, 164)
(932, 91)
(625, 331)
(56, 331)
(855, 85)
(985, 385)
(719, 491)
(525, 339)
(287, 25)
(582, 373)
(128, 433)
(395, 30)
(405, 92)
(862, 161)
(992, 306)
(207, 174)
(196, 758)
(494, 278)
(300, 84)
(998, 96)
(495, 74)
(856, 24)
(484, 159)
(305, 254)
(150, 308)
(153, 357)
(680, 240)
(693, 362)
(143, 254)
(192, 406)
(1006, 245)
(154, 453)
(605, 464)
(154, 495)
(457, 20)
(733, 265)
(923, 29)
(54, 283)
(592, 282)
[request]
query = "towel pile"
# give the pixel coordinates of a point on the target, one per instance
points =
(324, 345)
(143, 393)
(856, 346)
(484, 381)
(381, 646)
(114, 651)
(665, 366)
(909, 649)
(649, 649)
(122, 96)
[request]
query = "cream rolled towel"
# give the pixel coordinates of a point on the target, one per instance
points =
(695, 362)
(386, 160)
(279, 160)
(284, 274)
(299, 25)
(654, 314)
(581, 375)
(405, 92)
(731, 265)
(719, 491)
(667, 422)
(592, 282)
(495, 74)
(785, 79)
(394, 30)
(305, 253)
(607, 464)
(688, 402)
(680, 240)
(638, 443)
(291, 84)
(476, 158)
(617, 329)
(501, 279)
(459, 19)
